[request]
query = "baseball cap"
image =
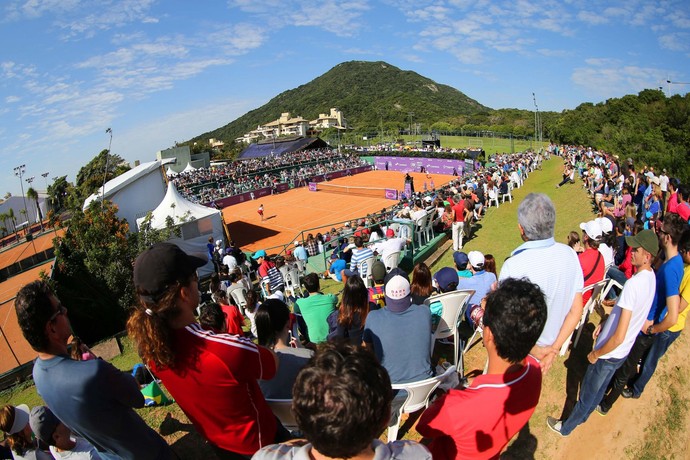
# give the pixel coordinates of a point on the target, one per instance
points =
(646, 240)
(655, 180)
(259, 253)
(460, 258)
(390, 233)
(592, 229)
(43, 423)
(476, 259)
(396, 271)
(428, 199)
(163, 264)
(605, 224)
(21, 418)
(630, 221)
(445, 277)
(378, 271)
(397, 294)
(297, 243)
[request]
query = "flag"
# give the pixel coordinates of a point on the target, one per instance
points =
(153, 395)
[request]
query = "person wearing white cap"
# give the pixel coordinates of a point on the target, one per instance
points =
(591, 259)
(481, 281)
(606, 226)
(14, 421)
(551, 265)
(400, 334)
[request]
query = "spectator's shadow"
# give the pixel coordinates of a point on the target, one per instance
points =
(245, 233)
(577, 364)
(524, 446)
(189, 445)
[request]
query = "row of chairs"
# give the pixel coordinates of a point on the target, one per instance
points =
(418, 393)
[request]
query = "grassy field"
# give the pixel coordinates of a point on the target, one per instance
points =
(653, 427)
(489, 144)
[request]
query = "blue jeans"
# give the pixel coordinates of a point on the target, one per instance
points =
(662, 341)
(592, 390)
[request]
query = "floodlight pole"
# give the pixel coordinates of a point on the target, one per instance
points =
(19, 172)
(669, 83)
(45, 177)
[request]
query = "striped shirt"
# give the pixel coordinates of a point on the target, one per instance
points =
(359, 255)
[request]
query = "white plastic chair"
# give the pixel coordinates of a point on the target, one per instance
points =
(417, 397)
(282, 408)
(493, 197)
(419, 230)
(454, 304)
(429, 226)
(509, 194)
(239, 296)
(365, 273)
(596, 290)
(392, 260)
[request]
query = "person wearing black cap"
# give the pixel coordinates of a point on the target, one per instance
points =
(213, 377)
(55, 434)
(93, 398)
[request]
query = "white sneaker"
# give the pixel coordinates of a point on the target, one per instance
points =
(555, 425)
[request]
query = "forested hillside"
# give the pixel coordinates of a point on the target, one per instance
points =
(650, 128)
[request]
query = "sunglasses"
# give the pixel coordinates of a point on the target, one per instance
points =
(61, 310)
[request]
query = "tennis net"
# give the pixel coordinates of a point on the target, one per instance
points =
(352, 190)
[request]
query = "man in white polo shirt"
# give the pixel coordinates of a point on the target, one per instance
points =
(554, 267)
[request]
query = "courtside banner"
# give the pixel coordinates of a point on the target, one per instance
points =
(391, 194)
(430, 165)
(312, 186)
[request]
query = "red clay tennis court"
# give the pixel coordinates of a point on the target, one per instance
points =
(287, 214)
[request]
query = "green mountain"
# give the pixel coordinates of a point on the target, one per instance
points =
(368, 94)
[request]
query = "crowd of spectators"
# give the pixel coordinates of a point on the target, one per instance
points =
(337, 357)
(241, 176)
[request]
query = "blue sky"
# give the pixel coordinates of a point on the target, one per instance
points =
(157, 72)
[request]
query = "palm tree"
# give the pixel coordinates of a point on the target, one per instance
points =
(33, 195)
(13, 219)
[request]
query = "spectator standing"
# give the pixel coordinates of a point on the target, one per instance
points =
(615, 337)
(554, 267)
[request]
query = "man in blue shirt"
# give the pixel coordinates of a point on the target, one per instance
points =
(481, 281)
(93, 398)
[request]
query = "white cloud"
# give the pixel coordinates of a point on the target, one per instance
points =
(611, 77)
(12, 99)
(675, 41)
(592, 18)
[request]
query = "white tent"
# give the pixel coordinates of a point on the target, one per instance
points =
(196, 222)
(189, 168)
(135, 192)
(169, 172)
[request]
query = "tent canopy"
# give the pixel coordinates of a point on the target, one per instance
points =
(189, 168)
(179, 208)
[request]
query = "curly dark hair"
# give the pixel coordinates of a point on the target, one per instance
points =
(516, 314)
(342, 399)
(151, 332)
(34, 309)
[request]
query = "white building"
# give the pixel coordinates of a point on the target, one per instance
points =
(287, 125)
